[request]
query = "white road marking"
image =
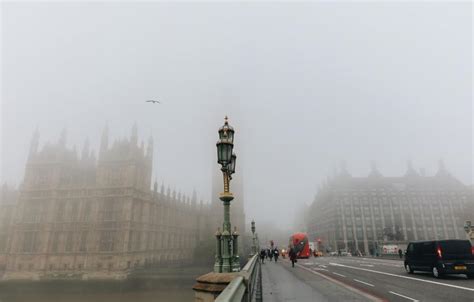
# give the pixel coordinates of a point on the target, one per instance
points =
(323, 266)
(404, 277)
(348, 287)
(369, 265)
(400, 295)
(363, 282)
(320, 269)
(339, 274)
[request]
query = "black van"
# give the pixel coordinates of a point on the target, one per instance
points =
(440, 257)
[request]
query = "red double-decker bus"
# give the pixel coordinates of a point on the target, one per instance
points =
(299, 241)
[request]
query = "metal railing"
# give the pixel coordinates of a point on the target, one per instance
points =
(247, 287)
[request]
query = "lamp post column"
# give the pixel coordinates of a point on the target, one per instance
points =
(226, 198)
(218, 257)
(254, 247)
(235, 258)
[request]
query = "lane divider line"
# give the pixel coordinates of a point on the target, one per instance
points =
(404, 277)
(363, 282)
(369, 297)
(406, 297)
(341, 275)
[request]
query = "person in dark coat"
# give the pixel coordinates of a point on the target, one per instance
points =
(276, 253)
(270, 254)
(263, 254)
(400, 253)
(292, 255)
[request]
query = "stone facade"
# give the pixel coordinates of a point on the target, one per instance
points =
(359, 213)
(81, 218)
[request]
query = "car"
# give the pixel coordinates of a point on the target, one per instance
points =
(440, 257)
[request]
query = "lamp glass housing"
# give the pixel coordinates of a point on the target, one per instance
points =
(232, 163)
(224, 152)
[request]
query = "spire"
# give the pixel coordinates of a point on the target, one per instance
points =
(410, 170)
(92, 157)
(168, 192)
(343, 169)
(85, 150)
(149, 151)
(442, 171)
(194, 197)
(374, 172)
(63, 137)
(104, 141)
(34, 143)
(162, 190)
(155, 187)
(134, 135)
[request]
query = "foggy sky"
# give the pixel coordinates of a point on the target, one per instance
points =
(305, 86)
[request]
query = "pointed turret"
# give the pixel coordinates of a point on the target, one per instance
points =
(104, 141)
(343, 169)
(63, 138)
(92, 157)
(194, 198)
(149, 150)
(410, 170)
(442, 171)
(374, 172)
(162, 190)
(85, 150)
(134, 135)
(34, 143)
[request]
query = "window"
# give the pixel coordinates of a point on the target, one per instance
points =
(83, 242)
(107, 239)
(55, 244)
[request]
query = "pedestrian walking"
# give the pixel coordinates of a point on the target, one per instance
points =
(276, 253)
(270, 254)
(263, 254)
(292, 255)
(400, 253)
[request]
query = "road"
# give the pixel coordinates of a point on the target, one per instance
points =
(358, 279)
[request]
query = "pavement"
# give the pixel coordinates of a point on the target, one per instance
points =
(358, 279)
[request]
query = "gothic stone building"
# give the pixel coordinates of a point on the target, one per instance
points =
(359, 213)
(78, 217)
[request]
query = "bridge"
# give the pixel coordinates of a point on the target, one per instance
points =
(333, 278)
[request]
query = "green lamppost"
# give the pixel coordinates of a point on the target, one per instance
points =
(254, 242)
(228, 259)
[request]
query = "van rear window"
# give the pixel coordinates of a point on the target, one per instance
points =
(460, 247)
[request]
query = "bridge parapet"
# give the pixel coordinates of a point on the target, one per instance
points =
(247, 287)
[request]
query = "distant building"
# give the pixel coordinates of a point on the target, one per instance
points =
(359, 213)
(78, 217)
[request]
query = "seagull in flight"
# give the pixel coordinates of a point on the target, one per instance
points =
(153, 101)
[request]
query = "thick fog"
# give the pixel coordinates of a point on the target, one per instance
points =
(304, 85)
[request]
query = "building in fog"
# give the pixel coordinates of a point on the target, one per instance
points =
(81, 217)
(359, 213)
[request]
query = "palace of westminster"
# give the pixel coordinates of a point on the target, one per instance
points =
(78, 217)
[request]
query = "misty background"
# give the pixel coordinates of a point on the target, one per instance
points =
(305, 85)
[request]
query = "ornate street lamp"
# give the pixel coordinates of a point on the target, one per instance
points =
(228, 258)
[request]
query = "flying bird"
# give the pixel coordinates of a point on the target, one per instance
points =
(153, 101)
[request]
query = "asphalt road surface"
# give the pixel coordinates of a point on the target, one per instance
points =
(358, 279)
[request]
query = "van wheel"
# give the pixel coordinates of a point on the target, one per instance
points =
(408, 269)
(436, 272)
